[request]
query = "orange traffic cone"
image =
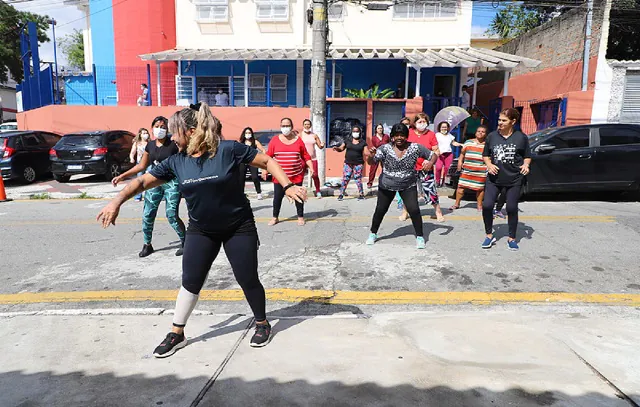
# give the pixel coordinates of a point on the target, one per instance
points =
(3, 195)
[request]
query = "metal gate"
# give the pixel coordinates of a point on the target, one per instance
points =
(631, 100)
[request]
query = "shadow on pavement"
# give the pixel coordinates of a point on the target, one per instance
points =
(501, 230)
(80, 389)
(428, 229)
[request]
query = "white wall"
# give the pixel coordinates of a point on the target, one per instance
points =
(360, 28)
(8, 96)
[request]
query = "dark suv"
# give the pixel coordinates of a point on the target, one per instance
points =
(99, 152)
(24, 154)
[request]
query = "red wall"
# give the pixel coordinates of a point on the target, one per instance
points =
(142, 27)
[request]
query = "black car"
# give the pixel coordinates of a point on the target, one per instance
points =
(99, 152)
(24, 155)
(586, 158)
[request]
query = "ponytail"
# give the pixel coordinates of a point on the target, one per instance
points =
(207, 135)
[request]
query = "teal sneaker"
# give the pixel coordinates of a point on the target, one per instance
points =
(372, 238)
(420, 243)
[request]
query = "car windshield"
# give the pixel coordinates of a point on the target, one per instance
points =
(265, 137)
(8, 126)
(81, 140)
(539, 135)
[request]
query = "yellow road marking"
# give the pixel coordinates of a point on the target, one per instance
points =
(351, 219)
(339, 297)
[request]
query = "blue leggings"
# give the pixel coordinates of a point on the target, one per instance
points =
(152, 198)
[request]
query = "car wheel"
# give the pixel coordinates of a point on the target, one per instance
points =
(113, 170)
(28, 175)
(61, 177)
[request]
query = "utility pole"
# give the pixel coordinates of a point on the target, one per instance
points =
(318, 80)
(56, 99)
(587, 46)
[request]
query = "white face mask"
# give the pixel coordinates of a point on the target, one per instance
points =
(444, 131)
(422, 126)
(307, 130)
(145, 136)
(159, 133)
(248, 136)
(285, 130)
(355, 135)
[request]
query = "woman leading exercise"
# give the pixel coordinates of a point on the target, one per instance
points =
(207, 171)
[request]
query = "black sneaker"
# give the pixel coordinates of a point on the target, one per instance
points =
(170, 345)
(340, 197)
(180, 251)
(147, 249)
(262, 335)
(361, 198)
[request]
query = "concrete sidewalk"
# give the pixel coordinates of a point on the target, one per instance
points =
(476, 357)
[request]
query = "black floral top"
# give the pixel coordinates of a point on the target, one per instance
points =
(399, 174)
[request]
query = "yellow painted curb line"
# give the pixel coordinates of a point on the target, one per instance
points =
(339, 297)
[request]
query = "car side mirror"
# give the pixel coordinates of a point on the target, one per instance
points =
(545, 148)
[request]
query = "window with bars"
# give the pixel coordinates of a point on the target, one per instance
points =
(336, 11)
(426, 9)
(212, 11)
(257, 88)
(278, 86)
(272, 10)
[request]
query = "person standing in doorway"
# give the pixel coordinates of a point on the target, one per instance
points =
(222, 99)
(143, 99)
(378, 139)
(291, 154)
(353, 161)
(472, 167)
(207, 170)
(399, 159)
(137, 151)
(507, 155)
(311, 141)
(247, 138)
(465, 101)
(445, 143)
(155, 152)
(471, 124)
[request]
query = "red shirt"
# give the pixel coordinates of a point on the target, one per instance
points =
(291, 157)
(427, 139)
(376, 142)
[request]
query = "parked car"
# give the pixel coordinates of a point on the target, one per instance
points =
(24, 155)
(8, 126)
(596, 157)
(99, 152)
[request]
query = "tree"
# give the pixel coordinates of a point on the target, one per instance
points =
(11, 20)
(513, 21)
(624, 31)
(73, 47)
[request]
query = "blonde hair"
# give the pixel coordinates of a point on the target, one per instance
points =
(138, 137)
(208, 129)
(422, 115)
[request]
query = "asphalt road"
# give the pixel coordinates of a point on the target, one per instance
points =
(576, 247)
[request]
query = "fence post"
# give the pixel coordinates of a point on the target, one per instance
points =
(95, 84)
(149, 83)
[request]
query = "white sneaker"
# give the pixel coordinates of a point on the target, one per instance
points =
(319, 195)
(259, 197)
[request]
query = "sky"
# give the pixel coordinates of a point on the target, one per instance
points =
(69, 18)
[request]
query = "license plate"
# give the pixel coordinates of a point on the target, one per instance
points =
(74, 167)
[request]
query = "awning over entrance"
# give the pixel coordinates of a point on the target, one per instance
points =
(465, 57)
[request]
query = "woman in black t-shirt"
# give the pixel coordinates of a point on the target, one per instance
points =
(207, 171)
(247, 137)
(353, 161)
(155, 152)
(507, 155)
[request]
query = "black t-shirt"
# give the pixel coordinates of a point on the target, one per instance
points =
(508, 154)
(354, 152)
(159, 154)
(216, 201)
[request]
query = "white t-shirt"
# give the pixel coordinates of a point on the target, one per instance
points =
(222, 99)
(466, 100)
(444, 142)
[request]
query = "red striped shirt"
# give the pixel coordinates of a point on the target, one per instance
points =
(291, 157)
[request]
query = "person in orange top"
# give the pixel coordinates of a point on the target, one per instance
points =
(290, 152)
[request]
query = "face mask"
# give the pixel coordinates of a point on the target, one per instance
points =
(145, 136)
(421, 126)
(355, 135)
(445, 131)
(159, 133)
(248, 136)
(285, 130)
(307, 130)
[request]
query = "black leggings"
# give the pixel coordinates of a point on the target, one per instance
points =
(278, 196)
(512, 195)
(409, 198)
(241, 248)
(255, 177)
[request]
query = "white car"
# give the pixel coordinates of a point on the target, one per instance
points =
(8, 126)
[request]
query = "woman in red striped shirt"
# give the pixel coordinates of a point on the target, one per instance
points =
(290, 152)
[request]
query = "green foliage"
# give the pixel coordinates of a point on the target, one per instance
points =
(73, 47)
(624, 31)
(513, 21)
(44, 195)
(10, 22)
(373, 93)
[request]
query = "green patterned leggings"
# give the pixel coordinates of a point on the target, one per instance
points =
(152, 198)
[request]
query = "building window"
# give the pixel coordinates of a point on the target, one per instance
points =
(278, 86)
(336, 11)
(257, 88)
(426, 9)
(212, 11)
(272, 10)
(337, 92)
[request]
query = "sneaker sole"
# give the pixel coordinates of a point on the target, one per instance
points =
(261, 345)
(493, 242)
(172, 351)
